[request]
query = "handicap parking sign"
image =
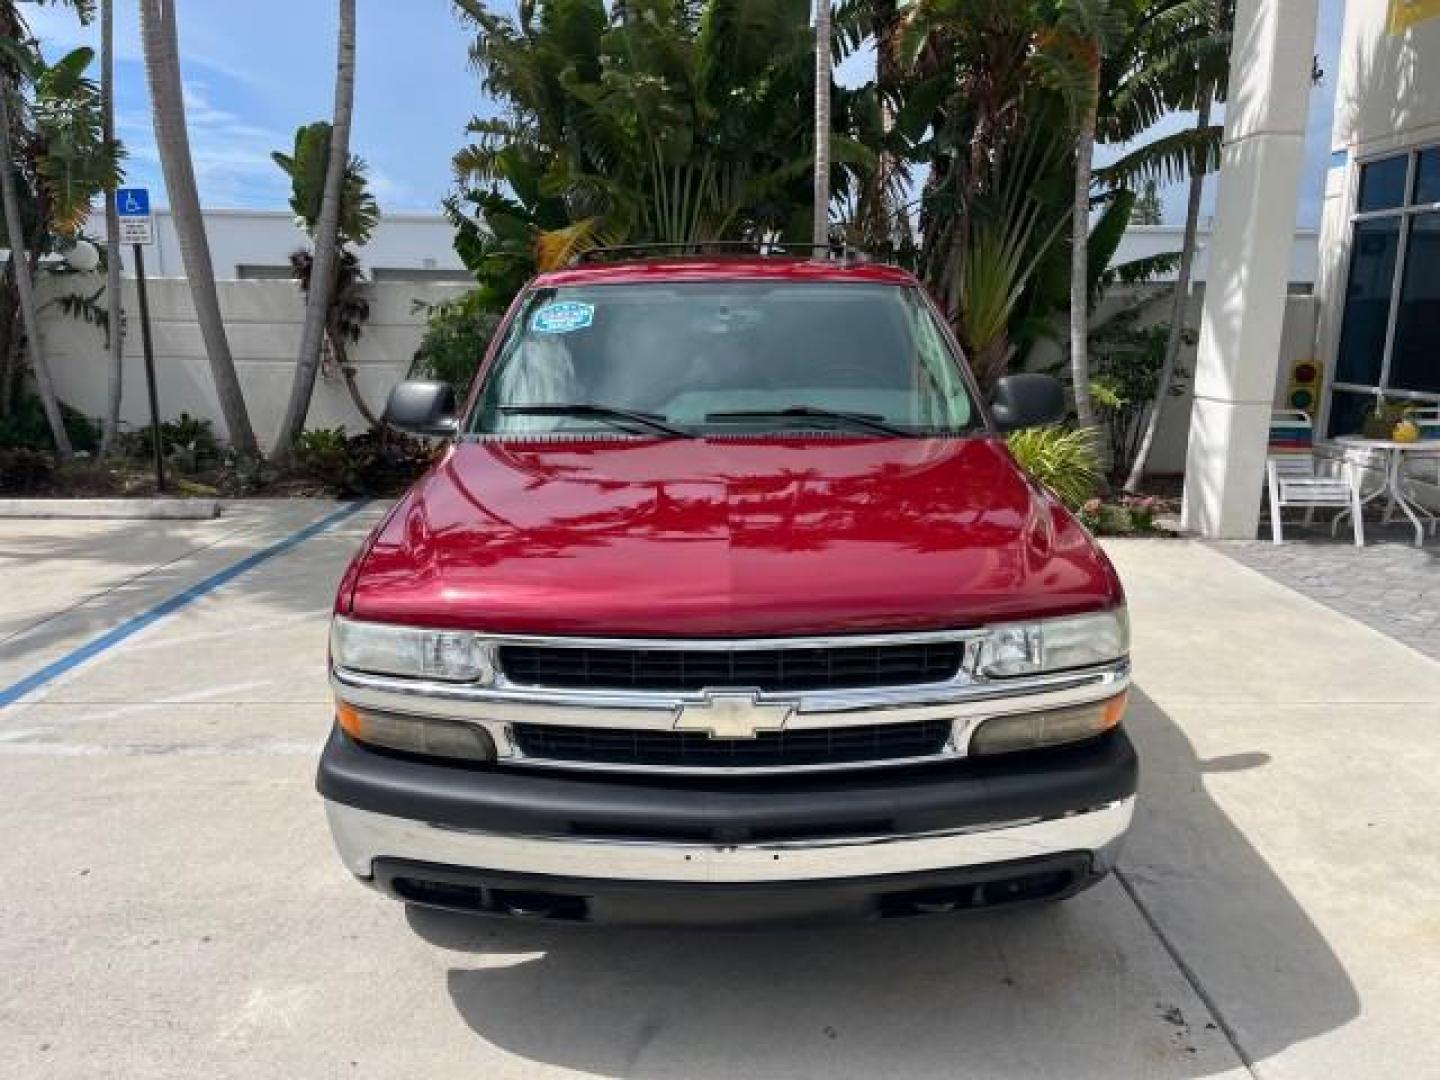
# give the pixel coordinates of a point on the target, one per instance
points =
(133, 207)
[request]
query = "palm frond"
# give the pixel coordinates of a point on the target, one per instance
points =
(1168, 159)
(1065, 460)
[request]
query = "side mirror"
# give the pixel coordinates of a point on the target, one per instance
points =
(423, 408)
(1027, 400)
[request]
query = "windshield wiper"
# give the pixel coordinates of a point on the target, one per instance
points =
(601, 412)
(867, 421)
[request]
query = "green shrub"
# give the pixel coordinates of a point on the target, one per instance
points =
(1065, 460)
(24, 471)
(187, 441)
(323, 454)
(26, 428)
(379, 462)
(1133, 515)
(457, 333)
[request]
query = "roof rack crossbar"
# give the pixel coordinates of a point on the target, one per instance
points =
(703, 247)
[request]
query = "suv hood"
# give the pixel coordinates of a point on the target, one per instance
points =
(726, 537)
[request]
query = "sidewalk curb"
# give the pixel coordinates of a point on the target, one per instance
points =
(112, 509)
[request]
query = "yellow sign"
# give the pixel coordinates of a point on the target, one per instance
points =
(1406, 13)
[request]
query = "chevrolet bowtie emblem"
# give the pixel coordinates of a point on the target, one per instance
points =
(733, 716)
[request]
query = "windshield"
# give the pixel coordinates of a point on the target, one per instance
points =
(725, 357)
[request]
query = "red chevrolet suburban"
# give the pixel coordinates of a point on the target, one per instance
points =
(726, 601)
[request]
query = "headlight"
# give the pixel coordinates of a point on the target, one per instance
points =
(1054, 644)
(447, 655)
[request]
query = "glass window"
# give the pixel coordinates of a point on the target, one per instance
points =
(1367, 301)
(1427, 177)
(688, 353)
(1415, 354)
(1382, 183)
(1348, 410)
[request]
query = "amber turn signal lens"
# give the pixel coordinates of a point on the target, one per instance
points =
(1052, 727)
(349, 719)
(416, 734)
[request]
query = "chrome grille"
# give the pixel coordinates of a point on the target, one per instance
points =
(801, 748)
(830, 667)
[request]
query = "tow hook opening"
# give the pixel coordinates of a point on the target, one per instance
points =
(948, 899)
(516, 903)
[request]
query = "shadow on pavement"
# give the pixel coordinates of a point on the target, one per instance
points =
(1079, 989)
(1265, 964)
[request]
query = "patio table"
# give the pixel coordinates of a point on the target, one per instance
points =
(1393, 487)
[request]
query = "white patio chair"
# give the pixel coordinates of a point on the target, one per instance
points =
(1297, 476)
(1294, 481)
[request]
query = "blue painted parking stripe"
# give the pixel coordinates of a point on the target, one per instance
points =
(133, 625)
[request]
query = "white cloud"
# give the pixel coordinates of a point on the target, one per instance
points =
(231, 156)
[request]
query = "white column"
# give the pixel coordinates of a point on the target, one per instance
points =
(1249, 265)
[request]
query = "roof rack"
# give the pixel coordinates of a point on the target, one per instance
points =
(780, 249)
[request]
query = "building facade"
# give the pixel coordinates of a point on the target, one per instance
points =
(1379, 272)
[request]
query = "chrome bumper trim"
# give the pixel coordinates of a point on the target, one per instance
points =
(652, 710)
(362, 837)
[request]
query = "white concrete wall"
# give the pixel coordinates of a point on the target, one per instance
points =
(422, 242)
(263, 320)
(1143, 241)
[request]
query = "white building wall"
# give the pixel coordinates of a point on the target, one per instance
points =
(1387, 100)
(422, 244)
(1144, 241)
(418, 243)
(263, 320)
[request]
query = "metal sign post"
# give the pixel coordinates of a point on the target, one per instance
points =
(137, 228)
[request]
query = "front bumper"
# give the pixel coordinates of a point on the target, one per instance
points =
(1056, 816)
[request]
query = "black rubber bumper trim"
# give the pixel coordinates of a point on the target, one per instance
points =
(757, 808)
(668, 903)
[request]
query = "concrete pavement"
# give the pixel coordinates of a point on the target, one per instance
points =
(170, 904)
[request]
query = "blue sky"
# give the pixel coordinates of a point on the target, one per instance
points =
(255, 70)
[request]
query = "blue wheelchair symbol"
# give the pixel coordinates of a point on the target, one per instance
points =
(133, 202)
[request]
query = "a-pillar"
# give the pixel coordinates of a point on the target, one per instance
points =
(1271, 61)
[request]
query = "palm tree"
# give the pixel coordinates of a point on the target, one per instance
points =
(347, 308)
(1181, 297)
(992, 89)
(13, 66)
(820, 234)
(160, 38)
(112, 234)
(881, 215)
(1080, 263)
(1093, 28)
(15, 234)
(672, 122)
(326, 244)
(1199, 60)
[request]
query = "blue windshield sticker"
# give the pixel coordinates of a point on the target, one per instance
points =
(562, 317)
